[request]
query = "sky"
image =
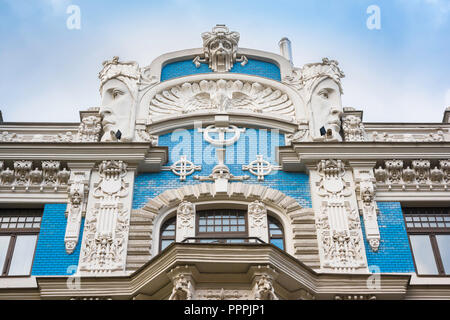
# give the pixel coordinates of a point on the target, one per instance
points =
(399, 72)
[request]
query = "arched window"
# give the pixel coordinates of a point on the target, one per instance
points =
(275, 233)
(222, 225)
(167, 235)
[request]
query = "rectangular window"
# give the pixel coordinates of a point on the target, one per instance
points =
(429, 235)
(222, 222)
(19, 229)
(423, 254)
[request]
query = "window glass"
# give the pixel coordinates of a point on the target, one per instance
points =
(23, 255)
(444, 249)
(275, 233)
(278, 243)
(4, 244)
(423, 254)
(168, 232)
(222, 221)
(165, 243)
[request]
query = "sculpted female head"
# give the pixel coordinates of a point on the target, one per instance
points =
(119, 93)
(326, 106)
(322, 90)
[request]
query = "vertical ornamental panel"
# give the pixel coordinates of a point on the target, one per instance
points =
(107, 222)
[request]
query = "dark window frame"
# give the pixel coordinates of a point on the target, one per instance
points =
(14, 232)
(431, 232)
(221, 235)
(280, 226)
(171, 220)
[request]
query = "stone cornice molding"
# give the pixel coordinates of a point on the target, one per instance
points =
(239, 119)
(149, 158)
(299, 155)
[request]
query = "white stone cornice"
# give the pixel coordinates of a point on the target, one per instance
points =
(131, 152)
(299, 155)
(240, 119)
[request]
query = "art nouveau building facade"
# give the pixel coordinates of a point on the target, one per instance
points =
(224, 173)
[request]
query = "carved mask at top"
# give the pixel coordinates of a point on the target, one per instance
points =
(322, 91)
(118, 90)
(220, 47)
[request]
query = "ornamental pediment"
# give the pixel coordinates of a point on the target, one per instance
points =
(221, 94)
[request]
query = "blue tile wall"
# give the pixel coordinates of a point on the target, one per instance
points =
(394, 253)
(51, 257)
(191, 144)
(253, 67)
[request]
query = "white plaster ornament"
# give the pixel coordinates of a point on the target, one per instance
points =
(260, 167)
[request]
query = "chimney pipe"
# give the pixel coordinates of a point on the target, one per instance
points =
(286, 49)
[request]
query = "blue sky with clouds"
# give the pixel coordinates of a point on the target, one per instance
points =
(400, 73)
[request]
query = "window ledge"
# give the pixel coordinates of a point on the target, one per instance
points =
(424, 280)
(18, 282)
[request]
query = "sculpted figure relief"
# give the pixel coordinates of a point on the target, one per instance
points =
(118, 89)
(322, 92)
(220, 49)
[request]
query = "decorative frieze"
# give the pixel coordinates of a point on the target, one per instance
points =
(339, 235)
(106, 227)
(76, 206)
(436, 136)
(356, 297)
(260, 167)
(6, 136)
(42, 178)
(222, 294)
(414, 175)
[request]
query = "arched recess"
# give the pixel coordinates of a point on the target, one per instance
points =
(286, 209)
